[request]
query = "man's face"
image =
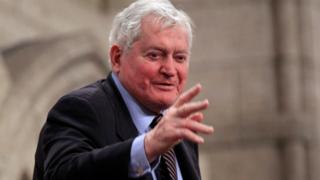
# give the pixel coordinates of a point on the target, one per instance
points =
(154, 70)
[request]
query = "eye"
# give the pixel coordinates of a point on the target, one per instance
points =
(154, 55)
(180, 58)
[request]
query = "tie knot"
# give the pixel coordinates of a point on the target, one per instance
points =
(155, 121)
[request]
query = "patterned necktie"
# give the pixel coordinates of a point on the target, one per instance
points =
(167, 169)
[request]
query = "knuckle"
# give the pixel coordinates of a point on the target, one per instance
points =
(182, 133)
(182, 110)
(184, 124)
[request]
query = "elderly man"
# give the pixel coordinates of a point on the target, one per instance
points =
(136, 123)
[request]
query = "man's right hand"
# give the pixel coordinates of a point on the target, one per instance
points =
(183, 120)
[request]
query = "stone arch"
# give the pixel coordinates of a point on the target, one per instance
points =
(41, 71)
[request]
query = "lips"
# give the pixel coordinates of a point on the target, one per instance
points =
(165, 86)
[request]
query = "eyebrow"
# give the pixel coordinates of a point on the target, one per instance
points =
(157, 48)
(166, 51)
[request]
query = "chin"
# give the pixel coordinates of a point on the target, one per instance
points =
(167, 103)
(164, 101)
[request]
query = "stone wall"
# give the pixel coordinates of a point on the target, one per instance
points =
(40, 72)
(258, 61)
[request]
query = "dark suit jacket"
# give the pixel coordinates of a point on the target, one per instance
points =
(88, 135)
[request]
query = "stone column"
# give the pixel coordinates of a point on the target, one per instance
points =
(287, 43)
(5, 81)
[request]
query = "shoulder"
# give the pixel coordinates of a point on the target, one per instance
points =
(100, 98)
(90, 99)
(90, 92)
(95, 94)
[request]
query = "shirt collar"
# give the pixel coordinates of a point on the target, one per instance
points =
(141, 117)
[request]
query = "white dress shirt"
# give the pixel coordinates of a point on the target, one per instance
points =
(142, 118)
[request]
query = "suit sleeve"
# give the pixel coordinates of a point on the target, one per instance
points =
(72, 149)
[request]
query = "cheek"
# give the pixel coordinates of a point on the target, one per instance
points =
(149, 70)
(183, 76)
(146, 74)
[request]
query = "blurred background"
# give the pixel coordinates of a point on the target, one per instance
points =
(258, 61)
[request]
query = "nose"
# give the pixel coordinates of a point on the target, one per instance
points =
(168, 68)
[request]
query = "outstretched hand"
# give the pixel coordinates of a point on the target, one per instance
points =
(183, 120)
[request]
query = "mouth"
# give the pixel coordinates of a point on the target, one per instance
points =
(165, 86)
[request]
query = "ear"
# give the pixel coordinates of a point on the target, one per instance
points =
(115, 57)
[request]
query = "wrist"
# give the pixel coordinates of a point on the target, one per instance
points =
(148, 147)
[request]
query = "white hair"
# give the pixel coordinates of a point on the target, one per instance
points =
(126, 26)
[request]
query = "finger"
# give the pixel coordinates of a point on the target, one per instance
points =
(191, 136)
(198, 116)
(192, 107)
(197, 127)
(188, 95)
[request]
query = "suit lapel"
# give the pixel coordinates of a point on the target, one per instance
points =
(125, 128)
(188, 165)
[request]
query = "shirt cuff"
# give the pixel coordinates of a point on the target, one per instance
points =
(139, 164)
